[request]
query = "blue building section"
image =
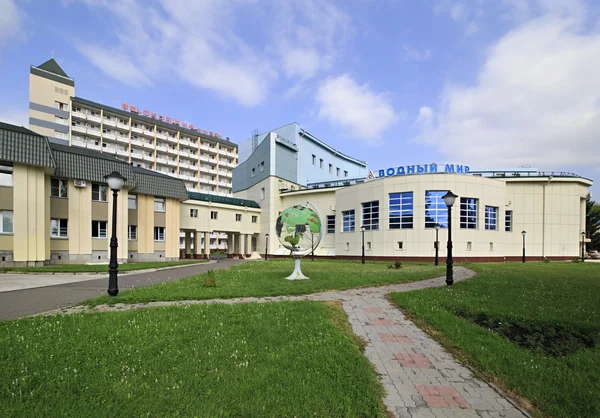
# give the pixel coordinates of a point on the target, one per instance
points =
(295, 155)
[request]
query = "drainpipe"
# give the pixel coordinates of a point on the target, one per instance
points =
(544, 216)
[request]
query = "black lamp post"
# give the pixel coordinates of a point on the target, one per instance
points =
(524, 233)
(266, 247)
(437, 244)
(582, 245)
(449, 199)
(115, 181)
(362, 230)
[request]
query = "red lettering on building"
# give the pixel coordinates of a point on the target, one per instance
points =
(153, 115)
(161, 117)
(168, 119)
(192, 127)
(175, 121)
(145, 113)
(184, 124)
(124, 106)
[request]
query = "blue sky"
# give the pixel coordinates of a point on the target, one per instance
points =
(489, 84)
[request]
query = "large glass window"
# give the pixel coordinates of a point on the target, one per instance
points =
(331, 224)
(99, 229)
(99, 192)
(370, 215)
(6, 221)
(6, 175)
(508, 221)
(468, 213)
(159, 204)
(436, 211)
(132, 232)
(59, 228)
(58, 188)
(401, 210)
(491, 218)
(348, 220)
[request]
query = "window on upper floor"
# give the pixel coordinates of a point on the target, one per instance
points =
(261, 166)
(401, 210)
(508, 221)
(345, 173)
(58, 188)
(253, 172)
(370, 215)
(314, 159)
(159, 204)
(238, 217)
(132, 202)
(331, 168)
(348, 220)
(214, 214)
(132, 232)
(468, 213)
(331, 224)
(320, 163)
(337, 171)
(6, 175)
(61, 121)
(491, 218)
(99, 192)
(193, 213)
(436, 211)
(61, 106)
(254, 219)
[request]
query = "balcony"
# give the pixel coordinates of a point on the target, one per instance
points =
(91, 145)
(172, 151)
(123, 152)
(137, 129)
(210, 170)
(137, 155)
(136, 142)
(93, 118)
(161, 135)
(225, 174)
(227, 164)
(184, 164)
(212, 160)
(109, 122)
(148, 134)
(161, 148)
(109, 135)
(224, 184)
(204, 180)
(194, 144)
(171, 162)
(184, 153)
(94, 132)
(149, 158)
(161, 160)
(148, 145)
(184, 142)
(109, 150)
(78, 143)
(122, 126)
(123, 138)
(79, 115)
(78, 128)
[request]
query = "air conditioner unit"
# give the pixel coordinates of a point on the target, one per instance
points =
(79, 183)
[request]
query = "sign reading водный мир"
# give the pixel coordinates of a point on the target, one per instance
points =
(421, 169)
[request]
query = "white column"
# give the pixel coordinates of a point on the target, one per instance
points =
(188, 242)
(207, 245)
(197, 244)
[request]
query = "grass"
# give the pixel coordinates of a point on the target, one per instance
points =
(540, 337)
(273, 360)
(96, 268)
(268, 279)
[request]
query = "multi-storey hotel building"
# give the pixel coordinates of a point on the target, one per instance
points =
(202, 159)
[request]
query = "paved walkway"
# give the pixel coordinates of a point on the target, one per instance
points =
(421, 379)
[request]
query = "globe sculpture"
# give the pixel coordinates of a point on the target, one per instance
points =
(299, 229)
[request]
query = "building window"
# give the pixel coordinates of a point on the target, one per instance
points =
(214, 214)
(370, 215)
(401, 210)
(58, 188)
(159, 204)
(262, 193)
(348, 221)
(436, 211)
(320, 163)
(6, 176)
(400, 245)
(238, 217)
(337, 171)
(254, 219)
(58, 228)
(468, 245)
(61, 121)
(99, 229)
(99, 192)
(132, 233)
(331, 224)
(61, 106)
(253, 173)
(468, 213)
(491, 218)
(314, 159)
(6, 222)
(261, 166)
(193, 213)
(159, 233)
(60, 135)
(508, 221)
(368, 245)
(345, 173)
(347, 246)
(132, 202)
(331, 168)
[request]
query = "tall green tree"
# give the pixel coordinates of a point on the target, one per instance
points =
(593, 224)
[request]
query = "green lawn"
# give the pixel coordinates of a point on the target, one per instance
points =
(96, 268)
(268, 279)
(533, 327)
(273, 360)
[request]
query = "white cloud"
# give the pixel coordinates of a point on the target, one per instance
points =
(202, 44)
(362, 113)
(411, 54)
(536, 101)
(11, 21)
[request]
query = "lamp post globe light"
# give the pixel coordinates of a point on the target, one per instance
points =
(449, 199)
(582, 245)
(115, 181)
(266, 246)
(523, 233)
(437, 244)
(362, 230)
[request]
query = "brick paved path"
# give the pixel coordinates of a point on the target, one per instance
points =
(421, 379)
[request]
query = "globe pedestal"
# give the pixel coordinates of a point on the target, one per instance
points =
(297, 273)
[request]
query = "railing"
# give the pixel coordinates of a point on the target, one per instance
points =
(108, 135)
(335, 183)
(109, 122)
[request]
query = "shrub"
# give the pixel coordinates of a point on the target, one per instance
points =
(395, 265)
(210, 280)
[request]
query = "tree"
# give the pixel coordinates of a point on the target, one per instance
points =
(592, 224)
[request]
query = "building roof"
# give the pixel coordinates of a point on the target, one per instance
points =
(203, 197)
(20, 145)
(152, 121)
(157, 184)
(52, 71)
(52, 66)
